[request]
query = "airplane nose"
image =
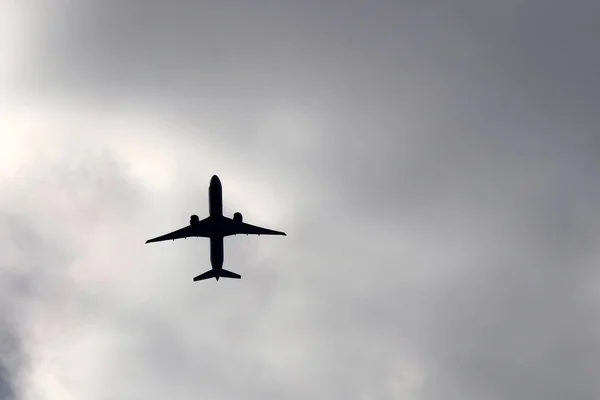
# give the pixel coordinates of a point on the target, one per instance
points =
(215, 181)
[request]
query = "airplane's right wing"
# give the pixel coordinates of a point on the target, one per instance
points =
(199, 229)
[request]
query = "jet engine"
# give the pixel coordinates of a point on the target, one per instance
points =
(194, 220)
(237, 218)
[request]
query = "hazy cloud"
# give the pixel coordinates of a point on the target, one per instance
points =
(432, 162)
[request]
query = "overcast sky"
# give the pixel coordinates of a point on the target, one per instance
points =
(434, 164)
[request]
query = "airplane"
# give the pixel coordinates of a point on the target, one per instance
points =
(216, 227)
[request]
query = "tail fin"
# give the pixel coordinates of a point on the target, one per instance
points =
(213, 273)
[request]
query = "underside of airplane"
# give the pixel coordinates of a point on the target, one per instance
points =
(216, 227)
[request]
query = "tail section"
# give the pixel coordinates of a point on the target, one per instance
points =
(213, 273)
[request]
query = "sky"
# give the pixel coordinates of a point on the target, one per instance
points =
(434, 164)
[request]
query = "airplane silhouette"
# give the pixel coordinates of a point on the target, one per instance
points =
(215, 227)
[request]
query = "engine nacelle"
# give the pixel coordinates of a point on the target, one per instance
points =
(238, 218)
(194, 220)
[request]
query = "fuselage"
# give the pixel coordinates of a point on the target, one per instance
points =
(215, 197)
(215, 209)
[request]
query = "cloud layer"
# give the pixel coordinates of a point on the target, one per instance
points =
(433, 164)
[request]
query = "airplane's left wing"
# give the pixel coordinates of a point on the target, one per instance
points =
(249, 229)
(200, 229)
(243, 228)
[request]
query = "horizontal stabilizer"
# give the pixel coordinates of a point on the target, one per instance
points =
(206, 275)
(213, 273)
(228, 274)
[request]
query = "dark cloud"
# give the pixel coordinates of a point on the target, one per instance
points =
(439, 160)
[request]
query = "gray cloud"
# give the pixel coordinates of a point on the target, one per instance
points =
(24, 260)
(442, 198)
(10, 359)
(45, 214)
